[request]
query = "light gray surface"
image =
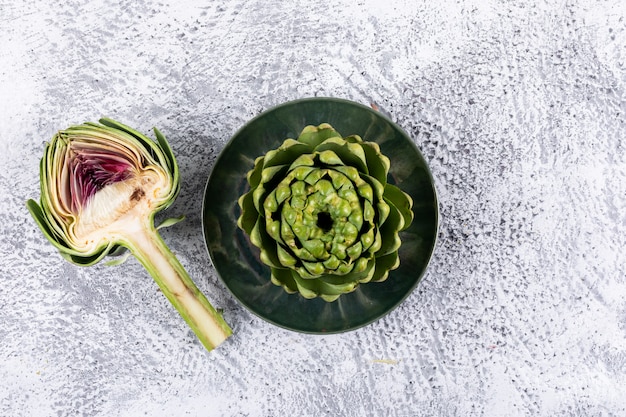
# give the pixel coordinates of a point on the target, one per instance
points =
(520, 110)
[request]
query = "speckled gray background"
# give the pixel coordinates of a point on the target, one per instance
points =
(520, 111)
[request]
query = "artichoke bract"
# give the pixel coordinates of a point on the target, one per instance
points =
(323, 215)
(101, 185)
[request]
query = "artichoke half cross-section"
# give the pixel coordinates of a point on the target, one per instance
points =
(322, 213)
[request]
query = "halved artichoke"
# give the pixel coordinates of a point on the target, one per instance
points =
(101, 186)
(322, 213)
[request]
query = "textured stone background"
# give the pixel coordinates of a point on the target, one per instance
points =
(519, 109)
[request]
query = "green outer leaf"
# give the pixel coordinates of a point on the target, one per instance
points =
(120, 260)
(254, 176)
(402, 201)
(314, 135)
(384, 264)
(260, 239)
(377, 163)
(170, 222)
(283, 277)
(54, 224)
(249, 213)
(356, 277)
(351, 154)
(389, 233)
(381, 206)
(313, 288)
(69, 253)
(286, 153)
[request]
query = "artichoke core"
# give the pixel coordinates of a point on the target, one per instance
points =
(108, 211)
(324, 221)
(322, 213)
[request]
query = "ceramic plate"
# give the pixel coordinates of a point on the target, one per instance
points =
(237, 260)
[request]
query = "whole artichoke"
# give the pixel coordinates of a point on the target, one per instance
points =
(323, 215)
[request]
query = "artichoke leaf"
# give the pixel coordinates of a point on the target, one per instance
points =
(350, 154)
(314, 135)
(329, 292)
(377, 163)
(402, 201)
(329, 158)
(304, 160)
(249, 214)
(389, 232)
(286, 153)
(270, 173)
(384, 264)
(283, 277)
(254, 175)
(171, 221)
(119, 260)
(261, 239)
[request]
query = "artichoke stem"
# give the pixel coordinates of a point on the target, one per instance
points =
(150, 249)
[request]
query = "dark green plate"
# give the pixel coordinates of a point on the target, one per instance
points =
(237, 260)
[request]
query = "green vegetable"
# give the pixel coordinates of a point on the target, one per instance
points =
(322, 213)
(101, 185)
